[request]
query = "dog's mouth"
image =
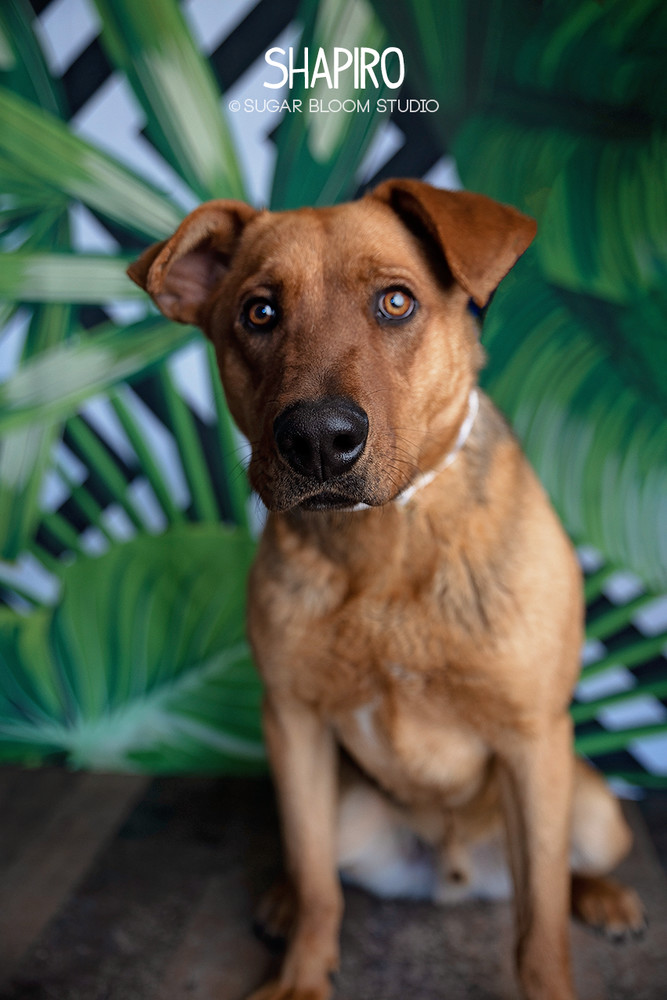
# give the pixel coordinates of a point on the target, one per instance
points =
(327, 500)
(282, 491)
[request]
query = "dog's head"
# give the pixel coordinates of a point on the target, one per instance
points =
(343, 338)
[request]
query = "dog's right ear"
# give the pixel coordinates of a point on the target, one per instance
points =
(181, 273)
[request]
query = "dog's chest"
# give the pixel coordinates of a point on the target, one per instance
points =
(391, 664)
(398, 706)
(414, 748)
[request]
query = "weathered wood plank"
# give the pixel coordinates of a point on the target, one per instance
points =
(27, 796)
(164, 909)
(124, 923)
(219, 956)
(56, 853)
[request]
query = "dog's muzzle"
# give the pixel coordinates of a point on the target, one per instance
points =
(321, 439)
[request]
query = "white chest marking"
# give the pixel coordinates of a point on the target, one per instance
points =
(365, 723)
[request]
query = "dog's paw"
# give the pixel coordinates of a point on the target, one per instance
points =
(275, 914)
(275, 990)
(613, 909)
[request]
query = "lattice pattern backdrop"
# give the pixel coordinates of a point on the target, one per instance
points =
(85, 509)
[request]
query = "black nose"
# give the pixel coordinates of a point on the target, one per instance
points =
(321, 439)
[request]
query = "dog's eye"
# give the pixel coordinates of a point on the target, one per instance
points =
(259, 314)
(395, 304)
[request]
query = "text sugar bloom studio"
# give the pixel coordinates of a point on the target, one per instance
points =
(334, 105)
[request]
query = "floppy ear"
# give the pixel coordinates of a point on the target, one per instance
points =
(480, 238)
(180, 273)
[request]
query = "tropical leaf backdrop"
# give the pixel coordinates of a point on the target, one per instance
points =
(126, 528)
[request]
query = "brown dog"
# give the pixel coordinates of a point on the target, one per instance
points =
(414, 598)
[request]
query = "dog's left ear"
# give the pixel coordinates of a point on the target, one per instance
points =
(180, 273)
(480, 238)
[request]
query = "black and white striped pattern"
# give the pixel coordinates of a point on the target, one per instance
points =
(235, 35)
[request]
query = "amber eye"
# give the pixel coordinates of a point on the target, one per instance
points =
(395, 304)
(259, 314)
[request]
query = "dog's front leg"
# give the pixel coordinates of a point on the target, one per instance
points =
(536, 781)
(303, 756)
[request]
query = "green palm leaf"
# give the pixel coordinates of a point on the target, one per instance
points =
(431, 38)
(150, 42)
(628, 254)
(319, 152)
(100, 680)
(597, 442)
(61, 277)
(45, 392)
(52, 385)
(33, 141)
(22, 66)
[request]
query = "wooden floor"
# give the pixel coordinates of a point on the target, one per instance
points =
(118, 888)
